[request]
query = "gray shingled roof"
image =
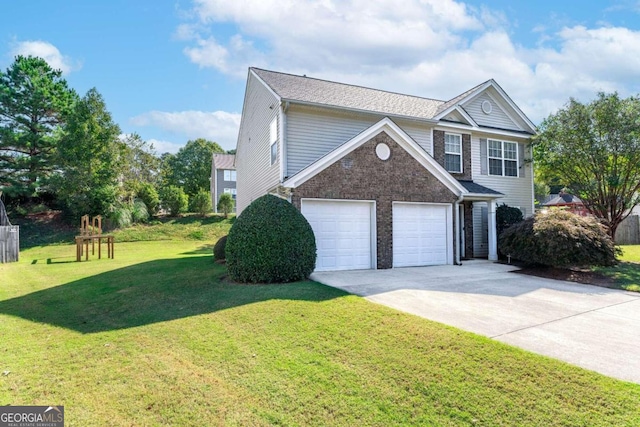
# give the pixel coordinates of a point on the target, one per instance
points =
(458, 98)
(224, 161)
(474, 188)
(316, 91)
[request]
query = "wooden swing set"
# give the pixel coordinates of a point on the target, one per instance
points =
(90, 232)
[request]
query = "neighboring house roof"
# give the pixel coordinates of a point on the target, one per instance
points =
(224, 161)
(562, 199)
(315, 91)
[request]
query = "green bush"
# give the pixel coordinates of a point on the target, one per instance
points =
(201, 202)
(139, 212)
(120, 217)
(218, 249)
(225, 204)
(174, 200)
(148, 194)
(506, 216)
(270, 242)
(559, 239)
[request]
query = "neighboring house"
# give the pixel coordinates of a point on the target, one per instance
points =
(385, 180)
(223, 177)
(566, 201)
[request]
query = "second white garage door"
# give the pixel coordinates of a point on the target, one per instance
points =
(343, 233)
(421, 234)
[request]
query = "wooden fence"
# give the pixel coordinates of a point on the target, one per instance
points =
(628, 232)
(9, 243)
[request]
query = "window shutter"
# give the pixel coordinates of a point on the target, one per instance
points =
(523, 165)
(483, 156)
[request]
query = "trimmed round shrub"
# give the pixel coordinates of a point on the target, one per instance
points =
(270, 242)
(559, 239)
(218, 249)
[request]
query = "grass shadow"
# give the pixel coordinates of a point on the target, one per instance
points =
(201, 250)
(150, 292)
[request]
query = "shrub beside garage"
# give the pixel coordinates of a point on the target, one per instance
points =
(270, 242)
(559, 239)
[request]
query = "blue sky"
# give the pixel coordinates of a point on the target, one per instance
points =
(175, 70)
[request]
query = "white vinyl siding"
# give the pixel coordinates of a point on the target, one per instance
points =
(273, 140)
(453, 152)
(312, 132)
(256, 176)
(498, 118)
(517, 191)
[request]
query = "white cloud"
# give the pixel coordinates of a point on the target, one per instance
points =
(162, 146)
(46, 51)
(433, 48)
(219, 126)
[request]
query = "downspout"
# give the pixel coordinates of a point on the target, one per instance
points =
(456, 205)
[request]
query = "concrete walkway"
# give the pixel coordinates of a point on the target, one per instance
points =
(589, 326)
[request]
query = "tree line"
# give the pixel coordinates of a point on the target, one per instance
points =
(64, 151)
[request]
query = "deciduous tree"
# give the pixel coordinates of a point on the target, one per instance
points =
(190, 167)
(89, 157)
(594, 149)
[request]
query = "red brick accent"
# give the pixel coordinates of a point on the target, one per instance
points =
(361, 175)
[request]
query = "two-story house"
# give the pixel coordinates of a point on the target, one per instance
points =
(385, 179)
(223, 177)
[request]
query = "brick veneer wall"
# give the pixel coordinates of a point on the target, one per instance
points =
(361, 175)
(438, 153)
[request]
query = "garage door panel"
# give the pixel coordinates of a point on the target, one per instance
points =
(343, 233)
(420, 234)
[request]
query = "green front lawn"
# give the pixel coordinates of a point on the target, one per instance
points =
(158, 337)
(627, 273)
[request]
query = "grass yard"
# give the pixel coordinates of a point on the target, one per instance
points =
(158, 337)
(627, 273)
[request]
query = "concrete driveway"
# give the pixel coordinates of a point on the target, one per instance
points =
(592, 327)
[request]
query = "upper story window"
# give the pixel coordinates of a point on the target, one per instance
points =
(453, 152)
(503, 158)
(273, 139)
(229, 175)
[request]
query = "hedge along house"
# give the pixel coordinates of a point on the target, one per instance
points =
(386, 180)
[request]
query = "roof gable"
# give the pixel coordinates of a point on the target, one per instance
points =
(489, 106)
(399, 136)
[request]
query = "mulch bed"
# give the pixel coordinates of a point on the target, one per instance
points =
(575, 274)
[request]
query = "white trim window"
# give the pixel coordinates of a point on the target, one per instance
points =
(453, 152)
(230, 175)
(232, 191)
(502, 157)
(273, 139)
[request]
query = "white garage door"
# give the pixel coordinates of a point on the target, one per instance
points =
(343, 233)
(420, 234)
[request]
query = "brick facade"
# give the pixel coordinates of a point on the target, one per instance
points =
(361, 175)
(438, 153)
